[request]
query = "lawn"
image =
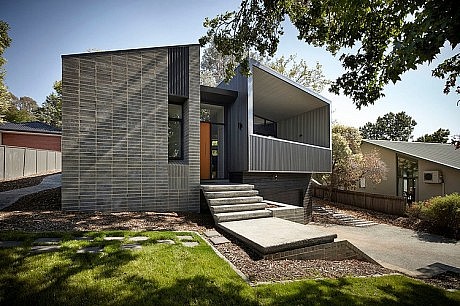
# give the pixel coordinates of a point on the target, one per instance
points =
(174, 274)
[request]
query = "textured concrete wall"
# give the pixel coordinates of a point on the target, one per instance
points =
(43, 142)
(115, 133)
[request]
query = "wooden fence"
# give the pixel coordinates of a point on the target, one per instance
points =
(383, 203)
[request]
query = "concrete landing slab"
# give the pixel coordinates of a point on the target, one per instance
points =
(272, 235)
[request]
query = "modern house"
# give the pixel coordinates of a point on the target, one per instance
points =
(140, 133)
(416, 170)
(37, 135)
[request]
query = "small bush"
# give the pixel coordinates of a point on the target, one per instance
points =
(442, 212)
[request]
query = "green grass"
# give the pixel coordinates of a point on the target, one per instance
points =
(162, 274)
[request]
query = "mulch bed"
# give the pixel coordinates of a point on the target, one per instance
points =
(21, 183)
(41, 212)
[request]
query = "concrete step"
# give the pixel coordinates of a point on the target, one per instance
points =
(237, 207)
(228, 187)
(230, 194)
(242, 215)
(235, 200)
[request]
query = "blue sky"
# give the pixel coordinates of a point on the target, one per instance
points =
(44, 30)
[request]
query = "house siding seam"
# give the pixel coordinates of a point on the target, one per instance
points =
(115, 133)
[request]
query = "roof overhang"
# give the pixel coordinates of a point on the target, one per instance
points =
(276, 97)
(217, 96)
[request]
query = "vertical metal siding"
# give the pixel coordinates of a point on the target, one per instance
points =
(271, 154)
(314, 127)
(178, 71)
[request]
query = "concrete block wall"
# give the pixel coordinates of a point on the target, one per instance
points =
(115, 133)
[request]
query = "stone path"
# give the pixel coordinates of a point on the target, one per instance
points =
(52, 244)
(11, 196)
(344, 218)
(215, 237)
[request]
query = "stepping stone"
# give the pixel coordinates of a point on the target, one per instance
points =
(89, 239)
(185, 237)
(219, 240)
(131, 246)
(44, 248)
(10, 244)
(114, 238)
(190, 244)
(166, 241)
(46, 240)
(138, 238)
(90, 250)
(211, 233)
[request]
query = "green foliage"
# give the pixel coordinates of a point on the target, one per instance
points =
(214, 65)
(380, 39)
(440, 136)
(21, 109)
(51, 110)
(396, 127)
(5, 97)
(349, 164)
(442, 212)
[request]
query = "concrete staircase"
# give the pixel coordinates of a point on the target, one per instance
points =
(344, 218)
(233, 202)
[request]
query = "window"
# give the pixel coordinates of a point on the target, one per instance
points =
(264, 126)
(175, 129)
(407, 173)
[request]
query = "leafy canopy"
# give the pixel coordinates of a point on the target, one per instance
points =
(440, 136)
(349, 164)
(379, 40)
(396, 127)
(5, 98)
(51, 110)
(214, 65)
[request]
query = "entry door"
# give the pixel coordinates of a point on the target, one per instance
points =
(205, 150)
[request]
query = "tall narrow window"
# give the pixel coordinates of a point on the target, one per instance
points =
(175, 132)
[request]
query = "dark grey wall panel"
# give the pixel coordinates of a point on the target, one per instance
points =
(237, 125)
(271, 154)
(312, 127)
(178, 68)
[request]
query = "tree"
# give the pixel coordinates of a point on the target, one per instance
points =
(51, 110)
(214, 64)
(440, 136)
(21, 109)
(349, 164)
(396, 127)
(5, 97)
(380, 40)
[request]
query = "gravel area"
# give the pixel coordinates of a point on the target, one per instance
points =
(41, 212)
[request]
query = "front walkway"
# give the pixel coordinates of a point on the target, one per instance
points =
(11, 196)
(404, 250)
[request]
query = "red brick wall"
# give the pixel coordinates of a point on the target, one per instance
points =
(32, 141)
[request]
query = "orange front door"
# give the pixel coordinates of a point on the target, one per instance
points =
(205, 150)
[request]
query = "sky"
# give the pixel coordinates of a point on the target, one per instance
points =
(42, 31)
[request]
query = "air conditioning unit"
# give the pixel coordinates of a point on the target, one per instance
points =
(432, 177)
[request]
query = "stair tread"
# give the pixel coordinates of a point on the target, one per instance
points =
(238, 207)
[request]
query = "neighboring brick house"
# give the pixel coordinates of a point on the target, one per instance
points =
(140, 133)
(37, 135)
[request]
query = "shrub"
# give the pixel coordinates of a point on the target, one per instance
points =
(442, 212)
